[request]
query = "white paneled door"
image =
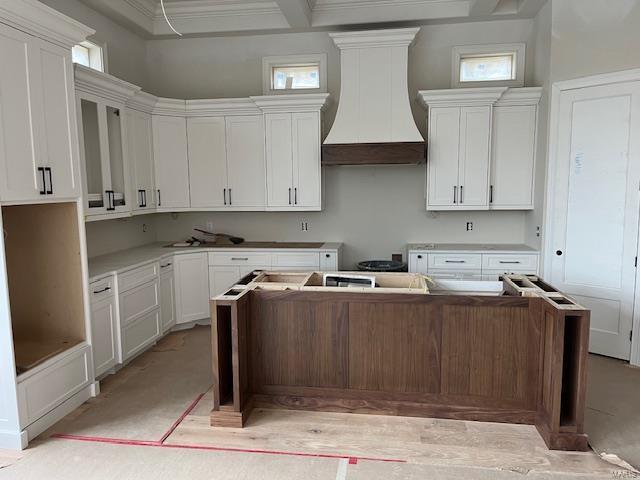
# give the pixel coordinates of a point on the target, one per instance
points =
(595, 203)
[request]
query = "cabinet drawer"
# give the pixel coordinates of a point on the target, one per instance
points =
(302, 259)
(42, 392)
(510, 262)
(101, 289)
(239, 259)
(450, 261)
(455, 274)
(328, 261)
(140, 334)
(138, 301)
(133, 278)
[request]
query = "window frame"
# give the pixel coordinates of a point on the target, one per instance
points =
(458, 53)
(268, 63)
(97, 55)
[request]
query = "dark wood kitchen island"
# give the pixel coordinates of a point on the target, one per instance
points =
(518, 355)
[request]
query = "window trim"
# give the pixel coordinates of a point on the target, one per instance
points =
(94, 47)
(461, 51)
(293, 60)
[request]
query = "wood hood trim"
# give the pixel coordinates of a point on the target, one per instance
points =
(389, 153)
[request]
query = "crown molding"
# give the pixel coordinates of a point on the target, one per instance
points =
(220, 107)
(461, 96)
(399, 37)
(103, 85)
(520, 96)
(148, 8)
(303, 102)
(143, 102)
(170, 107)
(39, 20)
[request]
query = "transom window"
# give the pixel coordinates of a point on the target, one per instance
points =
(88, 54)
(299, 73)
(475, 65)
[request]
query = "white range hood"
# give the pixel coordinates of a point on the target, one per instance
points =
(374, 123)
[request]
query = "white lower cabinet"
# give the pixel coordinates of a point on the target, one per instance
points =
(140, 333)
(167, 295)
(191, 287)
(104, 325)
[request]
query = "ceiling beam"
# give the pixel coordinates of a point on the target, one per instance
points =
(483, 8)
(297, 12)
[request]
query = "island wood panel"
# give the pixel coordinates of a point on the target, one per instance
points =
(394, 347)
(298, 343)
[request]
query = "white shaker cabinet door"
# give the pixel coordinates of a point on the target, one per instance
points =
(140, 141)
(171, 162)
(104, 338)
(191, 287)
(306, 160)
(475, 134)
(279, 151)
(513, 157)
(245, 162)
(221, 278)
(19, 175)
(58, 131)
(442, 164)
(207, 161)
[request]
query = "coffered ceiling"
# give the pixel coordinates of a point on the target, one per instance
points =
(227, 16)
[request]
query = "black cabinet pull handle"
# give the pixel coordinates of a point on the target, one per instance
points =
(504, 262)
(140, 198)
(50, 190)
(461, 194)
(105, 289)
(230, 201)
(289, 195)
(159, 198)
(455, 194)
(224, 193)
(491, 194)
(44, 181)
(295, 195)
(165, 265)
(455, 261)
(144, 196)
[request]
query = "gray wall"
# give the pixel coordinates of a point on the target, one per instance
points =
(126, 51)
(107, 236)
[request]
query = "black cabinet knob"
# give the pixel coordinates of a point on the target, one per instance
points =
(558, 252)
(419, 256)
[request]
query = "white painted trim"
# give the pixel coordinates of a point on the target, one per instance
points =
(399, 37)
(292, 60)
(103, 85)
(35, 18)
(303, 102)
(170, 107)
(221, 107)
(461, 96)
(457, 52)
(549, 207)
(142, 102)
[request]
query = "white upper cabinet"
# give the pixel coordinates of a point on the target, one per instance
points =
(245, 162)
(103, 132)
(481, 148)
(513, 154)
(293, 124)
(38, 138)
(207, 161)
(140, 151)
(171, 162)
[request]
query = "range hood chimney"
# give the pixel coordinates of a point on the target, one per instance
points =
(374, 123)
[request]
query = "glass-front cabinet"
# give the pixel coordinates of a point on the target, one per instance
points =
(102, 132)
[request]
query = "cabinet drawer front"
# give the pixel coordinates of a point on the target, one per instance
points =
(303, 259)
(450, 261)
(239, 258)
(510, 262)
(455, 274)
(102, 289)
(138, 301)
(42, 392)
(139, 334)
(328, 261)
(133, 278)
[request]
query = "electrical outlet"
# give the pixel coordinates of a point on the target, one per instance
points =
(144, 228)
(469, 226)
(538, 233)
(304, 226)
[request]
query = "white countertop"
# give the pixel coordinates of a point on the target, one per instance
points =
(470, 248)
(131, 258)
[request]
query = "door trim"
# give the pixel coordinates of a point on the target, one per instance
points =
(557, 89)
